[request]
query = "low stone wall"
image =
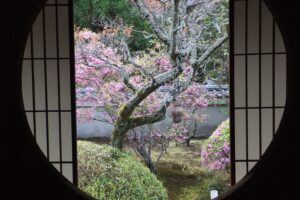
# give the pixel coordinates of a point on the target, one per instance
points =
(215, 116)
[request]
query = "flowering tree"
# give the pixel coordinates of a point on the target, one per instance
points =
(144, 142)
(187, 105)
(126, 83)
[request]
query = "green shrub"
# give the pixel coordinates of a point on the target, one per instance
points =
(109, 174)
(214, 181)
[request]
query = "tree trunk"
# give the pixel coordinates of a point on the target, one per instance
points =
(188, 142)
(151, 166)
(194, 130)
(147, 158)
(119, 133)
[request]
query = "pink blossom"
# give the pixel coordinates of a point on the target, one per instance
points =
(216, 154)
(87, 34)
(164, 63)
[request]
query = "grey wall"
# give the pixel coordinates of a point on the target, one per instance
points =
(215, 116)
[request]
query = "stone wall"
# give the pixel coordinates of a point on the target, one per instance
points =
(215, 116)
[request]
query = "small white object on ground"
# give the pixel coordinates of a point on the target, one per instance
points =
(214, 194)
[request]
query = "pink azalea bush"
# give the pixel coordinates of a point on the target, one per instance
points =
(215, 154)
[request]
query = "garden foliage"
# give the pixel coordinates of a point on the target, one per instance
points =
(213, 181)
(109, 174)
(88, 11)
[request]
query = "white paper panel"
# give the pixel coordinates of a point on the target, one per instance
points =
(63, 27)
(253, 26)
(239, 81)
(68, 171)
(66, 131)
(266, 30)
(269, 59)
(27, 85)
(267, 128)
(240, 170)
(54, 136)
(279, 45)
(52, 85)
(51, 67)
(37, 33)
(240, 134)
(239, 27)
(253, 81)
(29, 116)
(251, 165)
(57, 166)
(266, 80)
(278, 116)
(27, 52)
(253, 134)
(50, 26)
(65, 85)
(39, 83)
(280, 80)
(41, 133)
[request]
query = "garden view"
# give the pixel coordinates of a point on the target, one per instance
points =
(152, 98)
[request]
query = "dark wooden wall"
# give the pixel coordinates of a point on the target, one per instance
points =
(24, 171)
(26, 174)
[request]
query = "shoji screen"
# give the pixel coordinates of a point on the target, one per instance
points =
(258, 82)
(48, 86)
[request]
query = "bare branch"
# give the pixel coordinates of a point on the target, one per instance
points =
(211, 50)
(109, 23)
(175, 30)
(121, 69)
(148, 119)
(156, 117)
(152, 22)
(162, 151)
(150, 87)
(128, 84)
(131, 61)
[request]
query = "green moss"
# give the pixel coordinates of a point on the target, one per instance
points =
(214, 181)
(122, 108)
(196, 186)
(109, 174)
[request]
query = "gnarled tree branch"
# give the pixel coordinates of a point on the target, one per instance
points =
(152, 22)
(211, 50)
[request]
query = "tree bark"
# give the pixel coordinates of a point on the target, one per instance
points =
(125, 121)
(188, 142)
(147, 158)
(119, 133)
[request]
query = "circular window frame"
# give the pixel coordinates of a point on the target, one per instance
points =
(246, 184)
